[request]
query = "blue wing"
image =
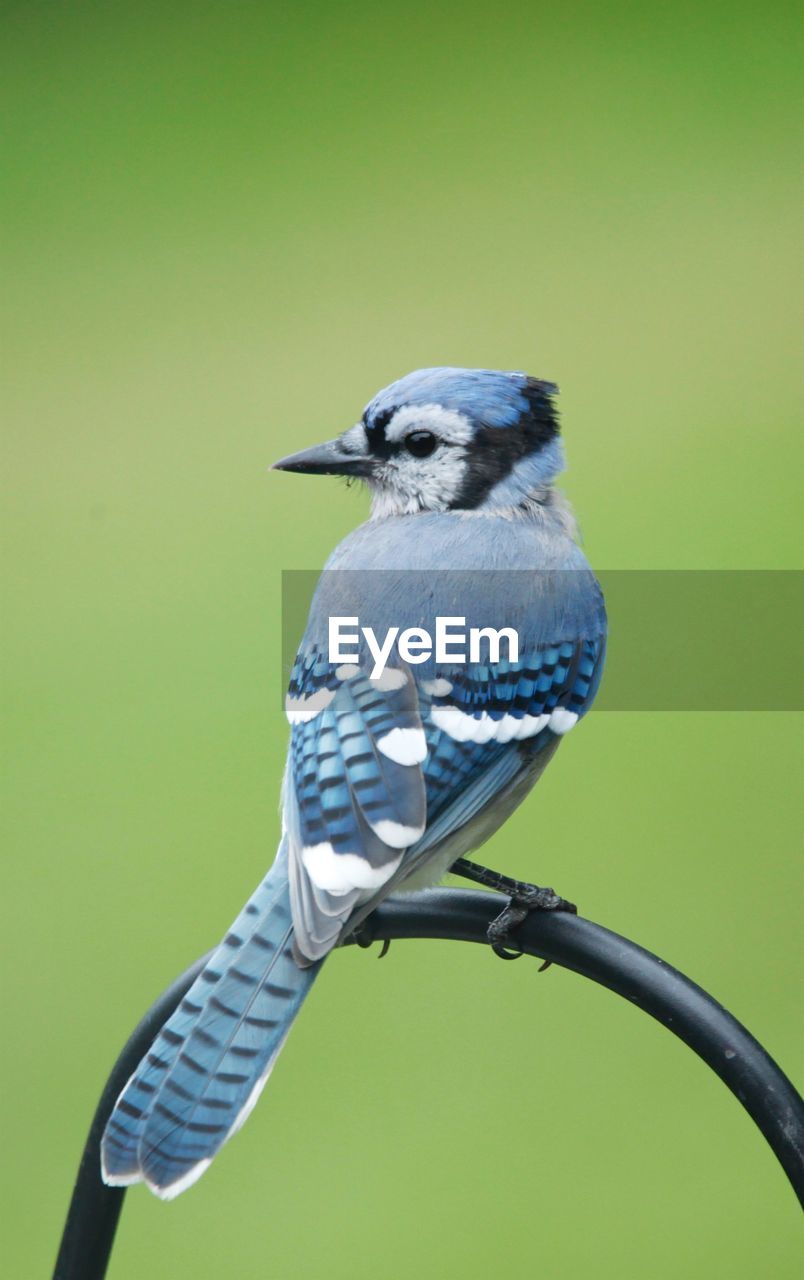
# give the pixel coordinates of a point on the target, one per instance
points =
(354, 794)
(491, 727)
(384, 773)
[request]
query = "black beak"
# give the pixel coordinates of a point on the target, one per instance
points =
(330, 459)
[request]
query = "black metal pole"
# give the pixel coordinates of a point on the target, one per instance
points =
(95, 1208)
(568, 940)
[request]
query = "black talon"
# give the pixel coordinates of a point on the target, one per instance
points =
(503, 954)
(363, 936)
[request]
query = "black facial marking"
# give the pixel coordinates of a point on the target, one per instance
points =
(375, 431)
(497, 450)
(380, 447)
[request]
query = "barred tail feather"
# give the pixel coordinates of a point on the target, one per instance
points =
(208, 1065)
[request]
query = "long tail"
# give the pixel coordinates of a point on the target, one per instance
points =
(209, 1063)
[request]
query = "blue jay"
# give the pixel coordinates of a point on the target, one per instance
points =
(390, 778)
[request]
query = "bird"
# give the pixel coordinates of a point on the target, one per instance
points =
(391, 777)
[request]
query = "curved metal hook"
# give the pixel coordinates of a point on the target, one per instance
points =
(464, 915)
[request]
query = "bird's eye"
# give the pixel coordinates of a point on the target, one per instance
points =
(420, 443)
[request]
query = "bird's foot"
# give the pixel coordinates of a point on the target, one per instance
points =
(524, 899)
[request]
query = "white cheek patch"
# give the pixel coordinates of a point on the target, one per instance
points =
(447, 424)
(404, 746)
(483, 728)
(406, 485)
(342, 873)
(298, 710)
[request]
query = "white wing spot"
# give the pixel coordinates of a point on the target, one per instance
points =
(298, 710)
(341, 873)
(396, 834)
(389, 679)
(562, 720)
(438, 688)
(404, 746)
(464, 727)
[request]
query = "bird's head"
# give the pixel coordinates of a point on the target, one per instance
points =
(448, 440)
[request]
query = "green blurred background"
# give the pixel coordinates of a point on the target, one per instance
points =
(226, 227)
